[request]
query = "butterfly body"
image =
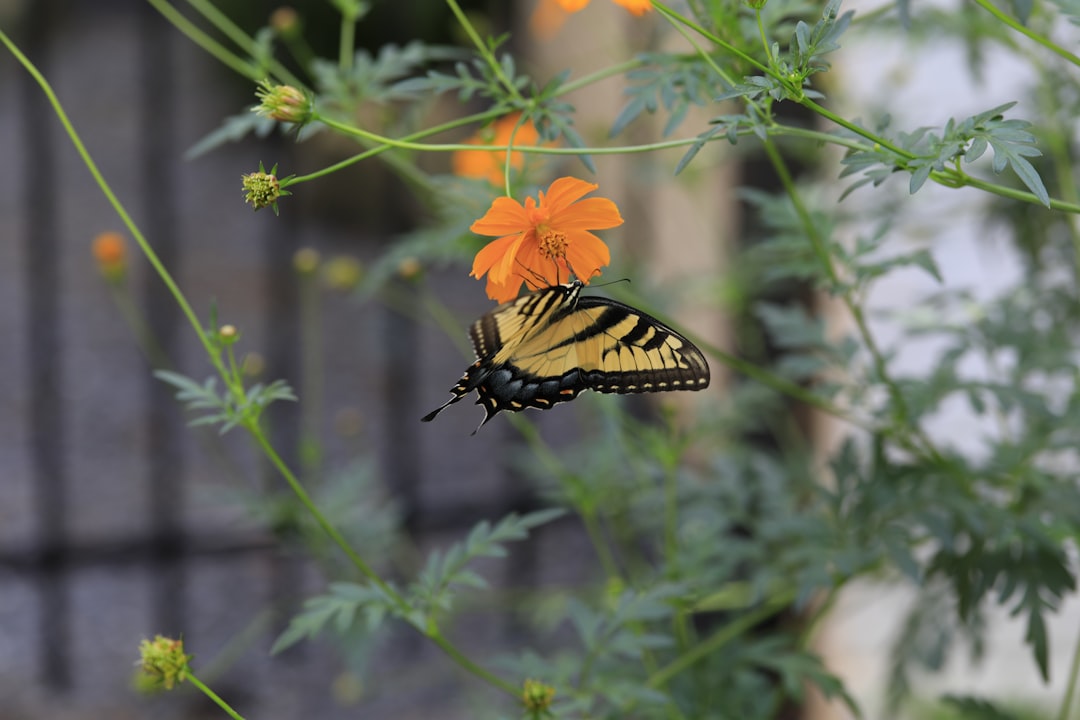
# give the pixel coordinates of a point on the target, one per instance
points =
(546, 347)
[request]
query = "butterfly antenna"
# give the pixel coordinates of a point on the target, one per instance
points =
(539, 280)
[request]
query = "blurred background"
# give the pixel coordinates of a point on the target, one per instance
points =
(118, 522)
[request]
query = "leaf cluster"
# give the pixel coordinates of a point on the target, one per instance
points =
(225, 407)
(348, 607)
(927, 151)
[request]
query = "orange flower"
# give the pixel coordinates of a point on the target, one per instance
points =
(491, 164)
(110, 252)
(549, 15)
(638, 7)
(544, 241)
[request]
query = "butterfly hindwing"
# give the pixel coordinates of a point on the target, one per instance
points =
(546, 347)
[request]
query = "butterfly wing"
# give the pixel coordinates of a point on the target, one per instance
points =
(546, 347)
(500, 331)
(613, 348)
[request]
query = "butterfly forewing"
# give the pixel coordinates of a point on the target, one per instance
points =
(518, 320)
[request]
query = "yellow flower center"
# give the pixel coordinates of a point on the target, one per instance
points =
(552, 243)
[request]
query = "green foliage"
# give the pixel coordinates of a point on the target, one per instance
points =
(721, 544)
(225, 408)
(672, 82)
(349, 606)
(1010, 140)
(446, 572)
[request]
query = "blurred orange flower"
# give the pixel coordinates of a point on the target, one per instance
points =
(549, 15)
(110, 252)
(544, 241)
(491, 164)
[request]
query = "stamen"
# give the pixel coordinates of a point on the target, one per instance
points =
(552, 244)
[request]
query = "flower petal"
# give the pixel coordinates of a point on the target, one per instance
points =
(508, 263)
(505, 216)
(491, 254)
(586, 254)
(564, 191)
(503, 292)
(588, 214)
(637, 7)
(538, 270)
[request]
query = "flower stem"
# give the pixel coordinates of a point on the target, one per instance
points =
(717, 640)
(1070, 689)
(213, 696)
(212, 47)
(437, 637)
(1028, 33)
(346, 41)
(719, 42)
(301, 494)
(242, 40)
(482, 48)
(452, 124)
(88, 161)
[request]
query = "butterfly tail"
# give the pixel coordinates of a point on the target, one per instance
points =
(431, 415)
(464, 386)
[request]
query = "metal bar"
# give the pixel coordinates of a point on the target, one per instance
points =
(46, 421)
(164, 426)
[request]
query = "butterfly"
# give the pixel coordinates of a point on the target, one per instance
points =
(547, 346)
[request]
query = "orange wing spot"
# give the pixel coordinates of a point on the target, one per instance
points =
(568, 391)
(541, 401)
(516, 405)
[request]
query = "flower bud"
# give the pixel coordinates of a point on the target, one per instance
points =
(164, 661)
(285, 21)
(110, 252)
(536, 696)
(228, 334)
(342, 273)
(410, 268)
(262, 189)
(283, 103)
(253, 365)
(306, 260)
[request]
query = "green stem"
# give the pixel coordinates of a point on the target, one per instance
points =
(954, 179)
(718, 639)
(311, 377)
(482, 48)
(88, 161)
(596, 537)
(860, 131)
(555, 466)
(1070, 688)
(244, 41)
(478, 117)
(213, 696)
(761, 34)
(1028, 33)
(671, 511)
(347, 42)
(900, 407)
(332, 532)
(602, 74)
(403, 144)
(715, 40)
(436, 636)
(300, 50)
(212, 47)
